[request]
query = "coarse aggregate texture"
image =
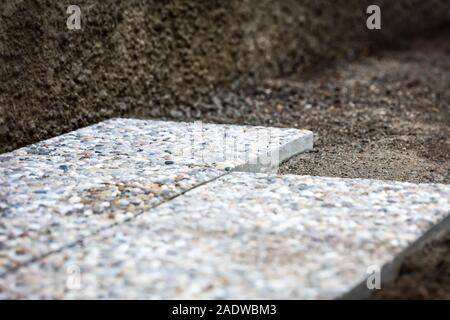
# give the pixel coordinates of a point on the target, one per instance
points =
(57, 191)
(167, 142)
(245, 236)
(145, 58)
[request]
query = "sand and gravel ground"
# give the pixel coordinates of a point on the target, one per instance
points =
(383, 117)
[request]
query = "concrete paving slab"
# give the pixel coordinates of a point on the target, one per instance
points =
(57, 191)
(244, 236)
(229, 147)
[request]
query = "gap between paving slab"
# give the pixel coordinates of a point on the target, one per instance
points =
(56, 192)
(99, 230)
(247, 236)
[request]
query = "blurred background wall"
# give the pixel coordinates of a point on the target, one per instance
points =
(143, 58)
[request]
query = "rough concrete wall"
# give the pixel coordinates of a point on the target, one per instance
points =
(145, 58)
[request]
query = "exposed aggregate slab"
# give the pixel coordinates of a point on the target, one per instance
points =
(48, 209)
(57, 191)
(245, 236)
(166, 142)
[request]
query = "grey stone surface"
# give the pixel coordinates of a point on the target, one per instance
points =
(244, 236)
(180, 143)
(57, 191)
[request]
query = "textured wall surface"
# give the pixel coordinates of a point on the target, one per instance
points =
(143, 58)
